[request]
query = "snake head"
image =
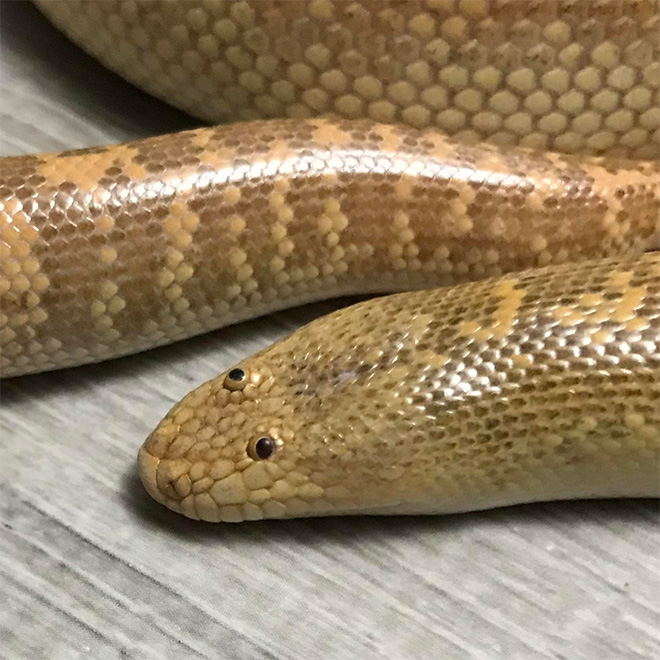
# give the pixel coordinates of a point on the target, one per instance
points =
(240, 447)
(212, 456)
(292, 431)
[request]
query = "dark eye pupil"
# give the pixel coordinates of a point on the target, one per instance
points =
(265, 447)
(237, 374)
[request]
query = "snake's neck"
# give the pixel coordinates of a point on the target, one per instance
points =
(489, 449)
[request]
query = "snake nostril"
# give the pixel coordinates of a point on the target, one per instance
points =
(172, 478)
(159, 442)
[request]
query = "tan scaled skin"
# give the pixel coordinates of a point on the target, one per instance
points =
(536, 386)
(566, 75)
(111, 250)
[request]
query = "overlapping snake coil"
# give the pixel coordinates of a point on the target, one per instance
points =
(508, 386)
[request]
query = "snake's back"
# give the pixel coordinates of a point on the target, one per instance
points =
(111, 250)
(541, 385)
(574, 76)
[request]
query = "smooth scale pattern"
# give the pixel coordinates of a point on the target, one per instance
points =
(112, 250)
(541, 385)
(567, 75)
(531, 386)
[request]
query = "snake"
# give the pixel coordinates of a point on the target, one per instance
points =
(487, 170)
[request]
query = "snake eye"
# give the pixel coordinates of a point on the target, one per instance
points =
(236, 379)
(261, 448)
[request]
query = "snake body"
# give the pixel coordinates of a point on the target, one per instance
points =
(112, 250)
(514, 388)
(542, 385)
(567, 75)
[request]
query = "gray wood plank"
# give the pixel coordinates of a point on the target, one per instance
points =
(91, 567)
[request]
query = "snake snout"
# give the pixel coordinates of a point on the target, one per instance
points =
(166, 480)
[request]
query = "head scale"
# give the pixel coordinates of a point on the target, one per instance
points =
(291, 431)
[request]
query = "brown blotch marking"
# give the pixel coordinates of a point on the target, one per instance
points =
(69, 234)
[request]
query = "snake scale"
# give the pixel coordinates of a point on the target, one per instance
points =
(534, 375)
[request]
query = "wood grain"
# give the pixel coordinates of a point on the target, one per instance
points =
(91, 567)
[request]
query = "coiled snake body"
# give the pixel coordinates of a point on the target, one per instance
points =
(516, 387)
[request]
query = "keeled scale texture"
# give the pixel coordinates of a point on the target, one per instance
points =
(541, 385)
(568, 75)
(111, 250)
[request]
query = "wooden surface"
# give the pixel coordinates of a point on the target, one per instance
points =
(91, 567)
